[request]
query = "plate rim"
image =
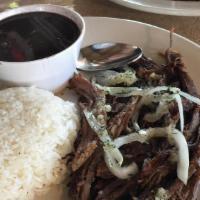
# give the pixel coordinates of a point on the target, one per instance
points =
(170, 10)
(142, 23)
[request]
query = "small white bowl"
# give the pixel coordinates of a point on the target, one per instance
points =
(51, 73)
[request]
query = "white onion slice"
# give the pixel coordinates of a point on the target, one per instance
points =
(180, 109)
(135, 91)
(104, 136)
(136, 126)
(161, 110)
(174, 136)
(142, 136)
(121, 91)
(110, 77)
(120, 172)
(183, 155)
(190, 97)
(133, 137)
(113, 156)
(132, 91)
(162, 88)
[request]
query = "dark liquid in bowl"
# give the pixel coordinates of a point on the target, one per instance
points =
(36, 35)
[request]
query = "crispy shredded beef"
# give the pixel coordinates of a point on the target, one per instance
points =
(86, 146)
(120, 122)
(82, 179)
(84, 88)
(91, 179)
(190, 190)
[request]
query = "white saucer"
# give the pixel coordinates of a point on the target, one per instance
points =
(168, 7)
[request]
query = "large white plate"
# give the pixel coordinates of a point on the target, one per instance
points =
(168, 7)
(150, 38)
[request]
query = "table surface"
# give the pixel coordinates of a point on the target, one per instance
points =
(186, 26)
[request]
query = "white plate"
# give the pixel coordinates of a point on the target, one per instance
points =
(150, 38)
(168, 7)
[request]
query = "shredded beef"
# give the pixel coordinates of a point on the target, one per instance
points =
(86, 147)
(92, 180)
(116, 189)
(84, 88)
(82, 179)
(120, 122)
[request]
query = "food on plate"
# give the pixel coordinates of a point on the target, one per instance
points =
(140, 133)
(37, 131)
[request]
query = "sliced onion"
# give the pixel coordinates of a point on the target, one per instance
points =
(162, 88)
(162, 194)
(102, 77)
(183, 155)
(142, 136)
(132, 91)
(104, 136)
(190, 97)
(135, 91)
(133, 137)
(111, 78)
(160, 111)
(116, 91)
(114, 153)
(120, 172)
(136, 126)
(174, 136)
(113, 156)
(180, 109)
(147, 96)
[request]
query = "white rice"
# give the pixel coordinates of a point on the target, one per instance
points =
(37, 129)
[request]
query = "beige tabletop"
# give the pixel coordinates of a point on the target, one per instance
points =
(186, 26)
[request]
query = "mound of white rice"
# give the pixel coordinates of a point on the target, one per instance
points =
(37, 129)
